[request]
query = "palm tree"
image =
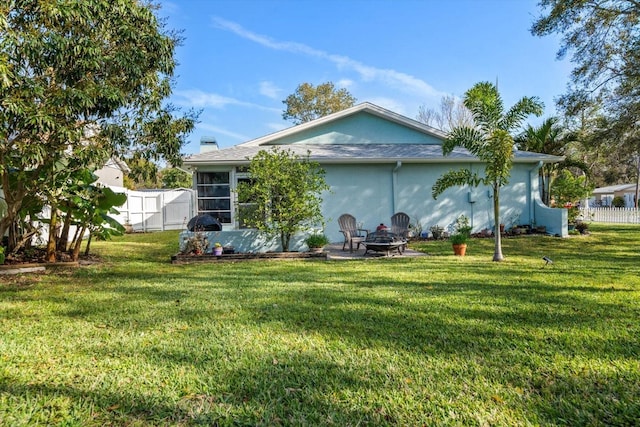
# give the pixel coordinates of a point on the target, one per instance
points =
(543, 139)
(491, 141)
(549, 138)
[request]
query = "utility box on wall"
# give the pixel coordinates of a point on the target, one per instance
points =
(471, 197)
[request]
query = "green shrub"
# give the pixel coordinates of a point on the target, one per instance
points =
(437, 231)
(317, 240)
(618, 202)
(582, 227)
(459, 238)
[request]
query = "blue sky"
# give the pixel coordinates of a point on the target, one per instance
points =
(241, 58)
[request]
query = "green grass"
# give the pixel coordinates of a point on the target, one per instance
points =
(437, 340)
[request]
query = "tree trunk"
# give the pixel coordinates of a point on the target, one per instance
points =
(51, 244)
(284, 241)
(76, 248)
(63, 240)
(637, 195)
(86, 249)
(13, 197)
(546, 185)
(497, 252)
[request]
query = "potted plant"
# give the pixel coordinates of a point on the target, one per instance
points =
(459, 243)
(460, 235)
(316, 242)
(217, 249)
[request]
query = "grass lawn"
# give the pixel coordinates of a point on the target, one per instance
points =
(437, 340)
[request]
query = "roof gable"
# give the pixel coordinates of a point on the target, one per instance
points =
(362, 124)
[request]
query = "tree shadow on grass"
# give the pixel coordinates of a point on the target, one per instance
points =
(407, 315)
(267, 392)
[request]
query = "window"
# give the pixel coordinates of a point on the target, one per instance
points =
(244, 206)
(214, 195)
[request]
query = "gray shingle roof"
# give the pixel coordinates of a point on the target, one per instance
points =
(357, 153)
(354, 153)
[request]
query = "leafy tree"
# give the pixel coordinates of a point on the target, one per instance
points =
(602, 37)
(284, 190)
(491, 141)
(142, 174)
(604, 42)
(93, 214)
(452, 113)
(83, 80)
(175, 178)
(608, 147)
(309, 103)
(568, 189)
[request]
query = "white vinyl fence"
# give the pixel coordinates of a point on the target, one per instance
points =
(611, 215)
(158, 210)
(153, 210)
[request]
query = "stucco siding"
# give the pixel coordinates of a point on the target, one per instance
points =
(371, 194)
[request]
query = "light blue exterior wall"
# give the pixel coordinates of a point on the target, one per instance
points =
(372, 195)
(245, 241)
(361, 128)
(373, 192)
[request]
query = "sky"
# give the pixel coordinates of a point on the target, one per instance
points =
(241, 58)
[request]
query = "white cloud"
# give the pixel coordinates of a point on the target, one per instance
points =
(215, 130)
(278, 126)
(169, 7)
(344, 83)
(270, 90)
(199, 99)
(390, 77)
(388, 103)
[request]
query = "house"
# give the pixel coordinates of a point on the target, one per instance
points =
(603, 196)
(112, 173)
(377, 163)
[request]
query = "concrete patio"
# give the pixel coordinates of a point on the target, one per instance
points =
(334, 252)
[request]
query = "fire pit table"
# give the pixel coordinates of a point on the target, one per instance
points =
(384, 241)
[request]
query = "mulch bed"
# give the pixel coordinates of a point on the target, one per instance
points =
(32, 261)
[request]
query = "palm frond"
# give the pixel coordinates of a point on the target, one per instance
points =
(543, 139)
(485, 103)
(455, 178)
(465, 137)
(519, 111)
(574, 163)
